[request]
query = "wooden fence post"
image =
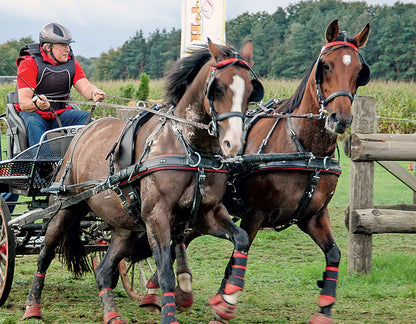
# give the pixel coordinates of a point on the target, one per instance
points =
(361, 187)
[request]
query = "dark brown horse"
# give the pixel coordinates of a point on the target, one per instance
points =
(299, 138)
(177, 181)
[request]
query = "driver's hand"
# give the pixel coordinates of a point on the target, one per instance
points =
(41, 102)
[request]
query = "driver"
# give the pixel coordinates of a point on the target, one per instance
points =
(51, 69)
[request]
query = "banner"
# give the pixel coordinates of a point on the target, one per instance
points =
(202, 19)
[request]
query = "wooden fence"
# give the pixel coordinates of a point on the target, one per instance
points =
(365, 147)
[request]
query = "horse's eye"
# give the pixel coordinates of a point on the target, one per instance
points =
(325, 66)
(219, 91)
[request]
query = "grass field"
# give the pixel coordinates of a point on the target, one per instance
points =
(283, 267)
(280, 282)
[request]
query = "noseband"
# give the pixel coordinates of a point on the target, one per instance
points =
(362, 79)
(256, 95)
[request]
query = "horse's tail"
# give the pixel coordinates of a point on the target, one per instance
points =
(72, 251)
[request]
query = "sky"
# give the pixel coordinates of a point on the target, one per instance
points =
(99, 25)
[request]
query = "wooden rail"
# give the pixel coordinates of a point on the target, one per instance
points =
(365, 147)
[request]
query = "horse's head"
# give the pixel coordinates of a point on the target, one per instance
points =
(339, 71)
(228, 91)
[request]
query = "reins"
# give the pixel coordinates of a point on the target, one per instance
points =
(140, 107)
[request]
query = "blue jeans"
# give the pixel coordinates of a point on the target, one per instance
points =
(10, 197)
(36, 125)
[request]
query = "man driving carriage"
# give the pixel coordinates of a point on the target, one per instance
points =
(48, 70)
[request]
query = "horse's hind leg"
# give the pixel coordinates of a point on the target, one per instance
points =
(106, 274)
(318, 227)
(56, 231)
(183, 291)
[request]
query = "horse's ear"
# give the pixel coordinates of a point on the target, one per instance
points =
(247, 50)
(362, 37)
(215, 51)
(332, 31)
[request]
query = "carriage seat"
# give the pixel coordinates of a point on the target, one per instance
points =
(16, 133)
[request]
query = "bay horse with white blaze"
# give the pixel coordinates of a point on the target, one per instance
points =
(287, 174)
(176, 180)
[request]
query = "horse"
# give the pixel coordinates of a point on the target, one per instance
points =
(295, 140)
(175, 179)
(277, 195)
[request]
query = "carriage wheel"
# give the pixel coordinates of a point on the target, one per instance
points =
(7, 252)
(134, 276)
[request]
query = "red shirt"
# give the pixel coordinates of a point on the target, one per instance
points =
(28, 71)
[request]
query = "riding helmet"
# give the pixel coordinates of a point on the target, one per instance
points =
(55, 33)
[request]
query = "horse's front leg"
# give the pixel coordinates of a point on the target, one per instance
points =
(319, 228)
(225, 302)
(158, 231)
(106, 274)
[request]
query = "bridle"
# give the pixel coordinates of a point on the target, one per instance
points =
(255, 96)
(362, 79)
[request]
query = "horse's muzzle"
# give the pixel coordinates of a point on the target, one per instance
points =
(338, 124)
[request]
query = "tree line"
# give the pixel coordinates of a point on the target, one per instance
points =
(286, 42)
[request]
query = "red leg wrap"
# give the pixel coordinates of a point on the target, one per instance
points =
(114, 318)
(32, 311)
(325, 300)
(230, 288)
(221, 307)
(320, 319)
(151, 284)
(183, 300)
(151, 302)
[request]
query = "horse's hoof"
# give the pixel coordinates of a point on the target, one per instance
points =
(221, 307)
(114, 318)
(320, 319)
(151, 302)
(183, 300)
(118, 321)
(32, 312)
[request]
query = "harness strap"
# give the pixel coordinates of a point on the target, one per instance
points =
(307, 196)
(198, 195)
(266, 140)
(294, 136)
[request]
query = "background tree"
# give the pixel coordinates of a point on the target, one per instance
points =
(285, 42)
(9, 52)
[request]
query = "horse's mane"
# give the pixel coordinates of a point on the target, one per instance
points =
(288, 105)
(184, 71)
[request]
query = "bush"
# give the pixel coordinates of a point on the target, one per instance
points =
(127, 90)
(143, 90)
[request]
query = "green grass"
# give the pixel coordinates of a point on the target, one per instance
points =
(280, 281)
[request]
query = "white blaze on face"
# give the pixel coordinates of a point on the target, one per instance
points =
(231, 143)
(346, 59)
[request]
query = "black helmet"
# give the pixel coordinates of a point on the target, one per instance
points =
(55, 33)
